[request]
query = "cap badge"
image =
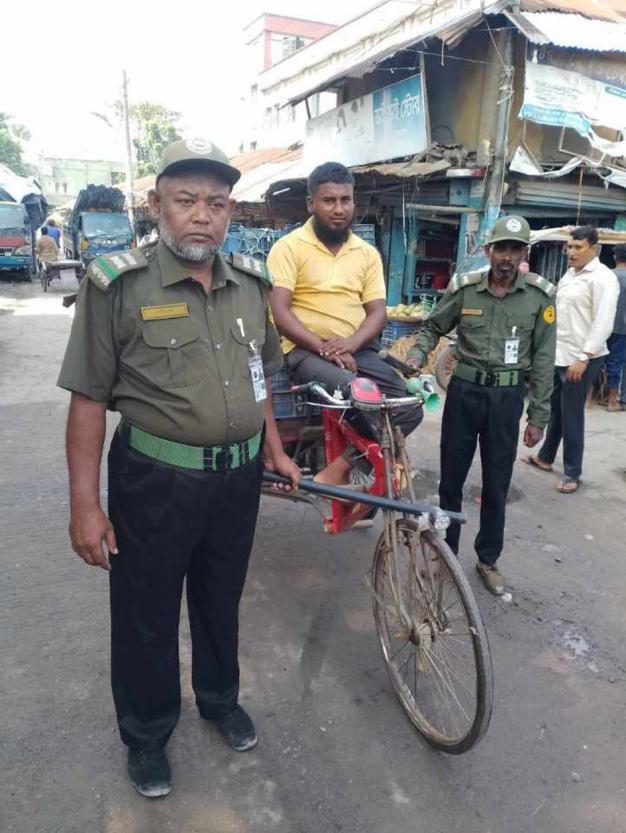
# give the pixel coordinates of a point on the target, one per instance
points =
(199, 145)
(513, 224)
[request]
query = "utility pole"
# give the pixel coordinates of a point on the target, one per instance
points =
(504, 51)
(129, 159)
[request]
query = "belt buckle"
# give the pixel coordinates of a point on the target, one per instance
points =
(491, 379)
(216, 458)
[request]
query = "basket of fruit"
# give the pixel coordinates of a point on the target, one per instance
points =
(404, 320)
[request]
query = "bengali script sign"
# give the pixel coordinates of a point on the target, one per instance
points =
(383, 125)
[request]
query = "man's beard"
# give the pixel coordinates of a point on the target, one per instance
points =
(330, 236)
(192, 253)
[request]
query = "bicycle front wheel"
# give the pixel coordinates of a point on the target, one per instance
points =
(433, 640)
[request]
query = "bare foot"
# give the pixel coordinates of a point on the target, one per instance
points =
(336, 473)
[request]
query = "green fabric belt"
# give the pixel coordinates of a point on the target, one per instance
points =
(201, 458)
(492, 379)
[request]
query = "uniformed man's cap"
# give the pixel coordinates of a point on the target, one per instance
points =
(510, 228)
(193, 154)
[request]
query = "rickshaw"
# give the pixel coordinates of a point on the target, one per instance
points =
(429, 626)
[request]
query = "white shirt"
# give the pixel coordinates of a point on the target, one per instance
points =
(585, 311)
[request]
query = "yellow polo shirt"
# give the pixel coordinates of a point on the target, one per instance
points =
(329, 291)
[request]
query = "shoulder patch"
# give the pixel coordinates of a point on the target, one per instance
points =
(106, 269)
(252, 266)
(461, 281)
(543, 284)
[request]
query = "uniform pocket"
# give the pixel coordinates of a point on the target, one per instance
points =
(245, 346)
(173, 354)
(520, 321)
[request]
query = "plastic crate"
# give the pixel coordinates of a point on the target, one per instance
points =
(398, 329)
(287, 405)
(366, 231)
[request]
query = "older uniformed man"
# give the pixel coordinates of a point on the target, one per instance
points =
(176, 338)
(505, 326)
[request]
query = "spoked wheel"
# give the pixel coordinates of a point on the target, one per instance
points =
(437, 654)
(445, 365)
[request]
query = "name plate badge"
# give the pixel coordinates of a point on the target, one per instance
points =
(165, 311)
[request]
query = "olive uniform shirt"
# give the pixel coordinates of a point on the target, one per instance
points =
(484, 322)
(172, 359)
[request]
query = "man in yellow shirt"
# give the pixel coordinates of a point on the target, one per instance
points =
(329, 300)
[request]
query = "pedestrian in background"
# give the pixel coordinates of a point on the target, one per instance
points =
(616, 360)
(47, 249)
(54, 232)
(504, 320)
(586, 301)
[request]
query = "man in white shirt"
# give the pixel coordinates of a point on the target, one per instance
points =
(586, 300)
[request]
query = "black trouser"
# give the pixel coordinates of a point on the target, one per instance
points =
(491, 416)
(308, 367)
(173, 523)
(567, 419)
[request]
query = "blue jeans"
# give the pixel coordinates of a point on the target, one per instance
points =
(615, 362)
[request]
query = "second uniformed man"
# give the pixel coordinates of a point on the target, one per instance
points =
(176, 338)
(505, 323)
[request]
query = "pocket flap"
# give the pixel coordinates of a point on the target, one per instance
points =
(253, 334)
(171, 333)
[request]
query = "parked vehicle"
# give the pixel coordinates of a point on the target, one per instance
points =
(429, 626)
(97, 225)
(16, 239)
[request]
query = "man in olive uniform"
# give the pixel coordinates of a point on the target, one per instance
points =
(505, 323)
(176, 338)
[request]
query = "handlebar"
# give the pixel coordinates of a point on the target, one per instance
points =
(345, 402)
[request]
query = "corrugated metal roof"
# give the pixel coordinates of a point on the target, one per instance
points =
(253, 158)
(614, 10)
(356, 47)
(404, 169)
(570, 31)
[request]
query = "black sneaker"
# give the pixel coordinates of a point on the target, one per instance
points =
(149, 771)
(238, 730)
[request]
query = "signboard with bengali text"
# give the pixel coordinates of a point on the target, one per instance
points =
(386, 124)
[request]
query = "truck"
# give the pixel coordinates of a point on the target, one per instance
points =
(22, 210)
(97, 225)
(16, 239)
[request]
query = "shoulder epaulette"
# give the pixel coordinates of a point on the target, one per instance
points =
(460, 281)
(251, 266)
(543, 284)
(107, 268)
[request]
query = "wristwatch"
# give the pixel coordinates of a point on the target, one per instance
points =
(583, 357)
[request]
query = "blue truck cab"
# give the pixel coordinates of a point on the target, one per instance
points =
(16, 243)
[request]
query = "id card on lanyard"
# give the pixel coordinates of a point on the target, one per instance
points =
(511, 348)
(255, 365)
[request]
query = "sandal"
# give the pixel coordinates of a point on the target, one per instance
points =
(569, 486)
(533, 463)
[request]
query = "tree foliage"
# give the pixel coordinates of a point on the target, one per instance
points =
(153, 127)
(11, 137)
(156, 128)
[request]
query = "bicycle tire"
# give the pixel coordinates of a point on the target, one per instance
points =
(415, 703)
(445, 365)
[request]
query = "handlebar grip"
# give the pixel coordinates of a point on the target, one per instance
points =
(405, 369)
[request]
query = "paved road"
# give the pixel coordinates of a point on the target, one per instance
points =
(336, 752)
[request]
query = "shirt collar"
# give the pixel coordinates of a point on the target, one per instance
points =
(518, 283)
(309, 236)
(589, 267)
(173, 270)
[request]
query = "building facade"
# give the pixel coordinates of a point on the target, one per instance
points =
(63, 179)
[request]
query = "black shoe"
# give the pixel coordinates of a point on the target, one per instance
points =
(149, 771)
(238, 730)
